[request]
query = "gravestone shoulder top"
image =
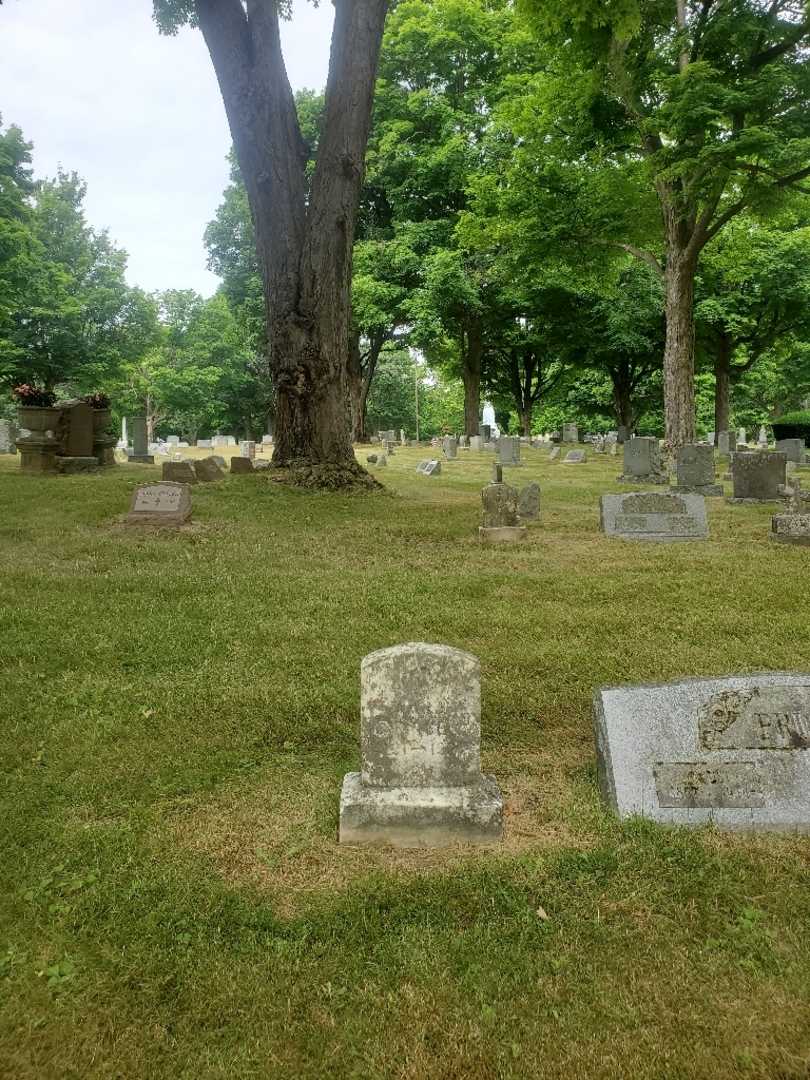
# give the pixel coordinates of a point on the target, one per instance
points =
(734, 751)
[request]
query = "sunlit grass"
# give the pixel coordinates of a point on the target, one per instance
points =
(178, 712)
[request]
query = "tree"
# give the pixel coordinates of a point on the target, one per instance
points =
(753, 297)
(707, 99)
(304, 226)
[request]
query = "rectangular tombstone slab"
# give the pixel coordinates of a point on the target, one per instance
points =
(137, 427)
(694, 466)
(554, 453)
(793, 449)
(570, 433)
(180, 472)
(642, 461)
(431, 467)
(791, 529)
(574, 457)
(529, 502)
(508, 450)
(241, 465)
(420, 783)
(450, 447)
(208, 468)
(247, 449)
(485, 431)
(758, 475)
(205, 444)
(653, 515)
(160, 504)
(476, 443)
(726, 442)
(733, 751)
(78, 430)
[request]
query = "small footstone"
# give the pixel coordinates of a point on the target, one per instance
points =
(574, 457)
(431, 467)
(420, 783)
(179, 471)
(207, 469)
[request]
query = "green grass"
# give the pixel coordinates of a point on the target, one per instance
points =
(178, 712)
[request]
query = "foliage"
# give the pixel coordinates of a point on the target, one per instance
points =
(35, 396)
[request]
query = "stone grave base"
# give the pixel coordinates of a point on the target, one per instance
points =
(142, 459)
(650, 478)
(420, 817)
(72, 465)
(710, 490)
(503, 534)
(791, 529)
(751, 502)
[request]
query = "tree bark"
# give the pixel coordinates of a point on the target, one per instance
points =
(359, 377)
(679, 350)
(304, 237)
(472, 353)
(722, 385)
(525, 416)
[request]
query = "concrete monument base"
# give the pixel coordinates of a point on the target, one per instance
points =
(142, 459)
(707, 490)
(420, 817)
(503, 534)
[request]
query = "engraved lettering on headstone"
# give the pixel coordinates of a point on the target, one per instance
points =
(770, 718)
(698, 785)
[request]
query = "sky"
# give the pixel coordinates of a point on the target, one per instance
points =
(96, 89)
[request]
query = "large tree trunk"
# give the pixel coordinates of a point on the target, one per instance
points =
(471, 374)
(525, 416)
(679, 350)
(722, 385)
(304, 237)
(359, 378)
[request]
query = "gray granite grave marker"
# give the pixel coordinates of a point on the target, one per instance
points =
(694, 465)
(654, 515)
(575, 457)
(162, 503)
(793, 449)
(642, 462)
(733, 751)
(757, 475)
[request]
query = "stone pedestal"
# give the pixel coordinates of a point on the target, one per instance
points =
(420, 783)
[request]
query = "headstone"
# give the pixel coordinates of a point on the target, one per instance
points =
(247, 449)
(529, 502)
(180, 472)
(500, 521)
(173, 440)
(793, 449)
(450, 447)
(570, 433)
(554, 453)
(183, 445)
(599, 444)
(485, 431)
(694, 465)
(77, 440)
(654, 515)
(734, 752)
(403, 438)
(710, 438)
(508, 450)
(742, 437)
(8, 437)
(160, 504)
(642, 462)
(757, 475)
(574, 457)
(476, 443)
(230, 440)
(241, 465)
(420, 783)
(219, 459)
(267, 440)
(614, 448)
(207, 469)
(762, 438)
(382, 461)
(431, 467)
(463, 442)
(371, 459)
(205, 444)
(140, 446)
(793, 525)
(726, 442)
(220, 441)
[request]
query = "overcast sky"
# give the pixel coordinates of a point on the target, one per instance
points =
(96, 89)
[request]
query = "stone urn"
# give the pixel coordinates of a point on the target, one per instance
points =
(36, 419)
(102, 418)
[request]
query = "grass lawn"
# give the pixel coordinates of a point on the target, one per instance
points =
(179, 710)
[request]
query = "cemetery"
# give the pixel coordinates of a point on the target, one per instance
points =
(405, 546)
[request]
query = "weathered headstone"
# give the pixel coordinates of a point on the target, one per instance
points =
(450, 447)
(160, 504)
(757, 475)
(485, 431)
(793, 449)
(267, 440)
(575, 457)
(742, 437)
(732, 751)
(554, 453)
(77, 436)
(529, 502)
(694, 465)
(431, 467)
(500, 520)
(205, 444)
(420, 783)
(792, 526)
(241, 465)
(173, 440)
(508, 450)
(247, 449)
(8, 437)
(476, 443)
(762, 438)
(726, 443)
(654, 515)
(642, 462)
(372, 458)
(140, 444)
(207, 469)
(382, 461)
(180, 472)
(570, 433)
